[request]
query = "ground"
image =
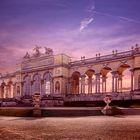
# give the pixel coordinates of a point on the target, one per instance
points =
(71, 128)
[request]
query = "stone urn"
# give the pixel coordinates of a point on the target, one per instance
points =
(107, 110)
(36, 103)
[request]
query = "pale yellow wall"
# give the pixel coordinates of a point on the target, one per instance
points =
(61, 59)
(137, 61)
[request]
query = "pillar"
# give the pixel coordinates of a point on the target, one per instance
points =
(132, 79)
(114, 81)
(7, 91)
(89, 84)
(120, 83)
(104, 84)
(97, 82)
(83, 84)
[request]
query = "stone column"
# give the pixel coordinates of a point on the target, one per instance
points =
(113, 80)
(97, 82)
(80, 87)
(116, 82)
(7, 91)
(22, 90)
(69, 86)
(83, 84)
(31, 88)
(104, 84)
(132, 79)
(119, 83)
(52, 86)
(90, 85)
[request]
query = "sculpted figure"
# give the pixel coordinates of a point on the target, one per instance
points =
(27, 55)
(37, 51)
(48, 51)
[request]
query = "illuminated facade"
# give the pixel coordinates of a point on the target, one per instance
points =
(57, 75)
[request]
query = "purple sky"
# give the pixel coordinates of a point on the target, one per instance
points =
(76, 27)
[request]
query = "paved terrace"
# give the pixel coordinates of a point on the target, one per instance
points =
(76, 128)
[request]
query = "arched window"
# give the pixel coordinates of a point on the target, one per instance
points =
(75, 82)
(18, 90)
(57, 87)
(36, 83)
(26, 85)
(3, 90)
(47, 83)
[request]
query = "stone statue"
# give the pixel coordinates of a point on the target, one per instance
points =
(37, 51)
(48, 51)
(27, 56)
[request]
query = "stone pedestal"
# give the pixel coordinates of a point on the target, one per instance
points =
(36, 101)
(107, 110)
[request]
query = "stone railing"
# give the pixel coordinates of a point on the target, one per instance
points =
(99, 96)
(114, 55)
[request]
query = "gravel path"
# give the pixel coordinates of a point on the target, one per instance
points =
(74, 128)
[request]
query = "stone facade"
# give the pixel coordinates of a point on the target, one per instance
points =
(57, 75)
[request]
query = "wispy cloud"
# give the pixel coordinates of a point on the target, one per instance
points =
(129, 19)
(91, 8)
(117, 17)
(84, 23)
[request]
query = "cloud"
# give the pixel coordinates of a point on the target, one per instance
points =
(91, 8)
(117, 17)
(129, 19)
(84, 23)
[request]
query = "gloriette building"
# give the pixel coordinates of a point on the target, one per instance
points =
(86, 79)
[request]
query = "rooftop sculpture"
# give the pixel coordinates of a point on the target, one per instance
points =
(37, 52)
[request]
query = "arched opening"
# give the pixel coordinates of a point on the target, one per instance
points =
(3, 85)
(47, 83)
(75, 82)
(90, 81)
(106, 80)
(57, 87)
(18, 90)
(124, 78)
(36, 88)
(10, 89)
(26, 85)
